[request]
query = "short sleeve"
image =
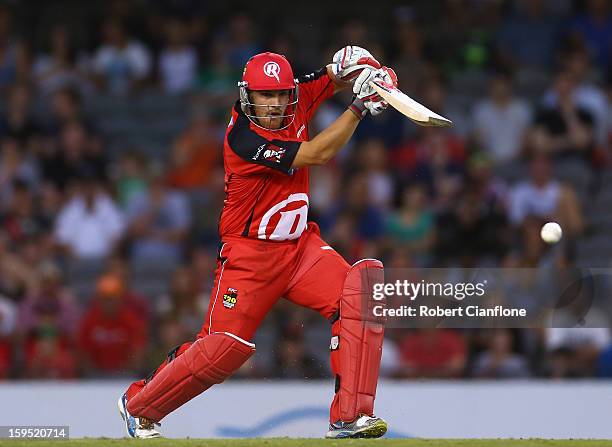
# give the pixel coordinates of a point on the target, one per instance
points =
(256, 150)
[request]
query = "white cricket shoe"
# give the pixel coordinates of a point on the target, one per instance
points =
(141, 428)
(362, 427)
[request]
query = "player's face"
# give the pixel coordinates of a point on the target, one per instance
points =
(270, 106)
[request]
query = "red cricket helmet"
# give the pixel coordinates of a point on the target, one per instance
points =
(268, 71)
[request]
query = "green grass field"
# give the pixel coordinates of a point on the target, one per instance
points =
(286, 442)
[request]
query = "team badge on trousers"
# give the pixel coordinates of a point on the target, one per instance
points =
(230, 297)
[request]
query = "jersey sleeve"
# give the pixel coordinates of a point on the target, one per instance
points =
(258, 154)
(314, 88)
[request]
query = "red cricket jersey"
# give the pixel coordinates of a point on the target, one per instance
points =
(264, 197)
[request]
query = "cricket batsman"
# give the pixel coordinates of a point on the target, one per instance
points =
(269, 250)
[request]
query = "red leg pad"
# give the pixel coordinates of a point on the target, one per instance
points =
(356, 348)
(209, 360)
(135, 387)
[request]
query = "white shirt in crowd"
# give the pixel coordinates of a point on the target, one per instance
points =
(90, 233)
(577, 337)
(501, 128)
(526, 199)
(178, 69)
(119, 66)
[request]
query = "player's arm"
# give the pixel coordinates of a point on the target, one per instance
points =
(347, 64)
(326, 144)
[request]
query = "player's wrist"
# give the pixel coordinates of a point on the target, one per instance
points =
(358, 108)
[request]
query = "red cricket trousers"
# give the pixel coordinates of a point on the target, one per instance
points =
(252, 275)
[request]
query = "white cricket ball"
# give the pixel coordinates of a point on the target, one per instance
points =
(551, 232)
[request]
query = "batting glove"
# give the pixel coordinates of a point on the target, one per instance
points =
(350, 61)
(365, 98)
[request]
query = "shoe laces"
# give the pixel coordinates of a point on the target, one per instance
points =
(147, 424)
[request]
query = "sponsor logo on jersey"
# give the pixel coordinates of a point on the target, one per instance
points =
(286, 220)
(271, 153)
(300, 130)
(259, 149)
(230, 298)
(272, 70)
(274, 155)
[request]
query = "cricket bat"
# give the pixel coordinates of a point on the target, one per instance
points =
(404, 104)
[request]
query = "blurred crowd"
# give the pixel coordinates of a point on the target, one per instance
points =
(107, 256)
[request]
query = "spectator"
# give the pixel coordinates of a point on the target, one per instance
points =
(595, 30)
(432, 157)
(499, 361)
(412, 226)
(119, 269)
(59, 67)
(184, 302)
(218, 78)
(52, 299)
(433, 353)
(16, 276)
(325, 183)
(474, 229)
(565, 129)
(609, 108)
(158, 223)
(195, 154)
(532, 253)
(604, 363)
(16, 169)
(355, 215)
(8, 319)
(49, 355)
(66, 108)
(131, 176)
(241, 39)
(13, 53)
(79, 152)
(112, 336)
(587, 95)
(22, 219)
(373, 161)
(501, 120)
(408, 49)
(434, 95)
(528, 39)
(342, 235)
(17, 121)
(390, 362)
(178, 61)
(170, 334)
(90, 224)
(546, 198)
(574, 350)
(121, 63)
(202, 261)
